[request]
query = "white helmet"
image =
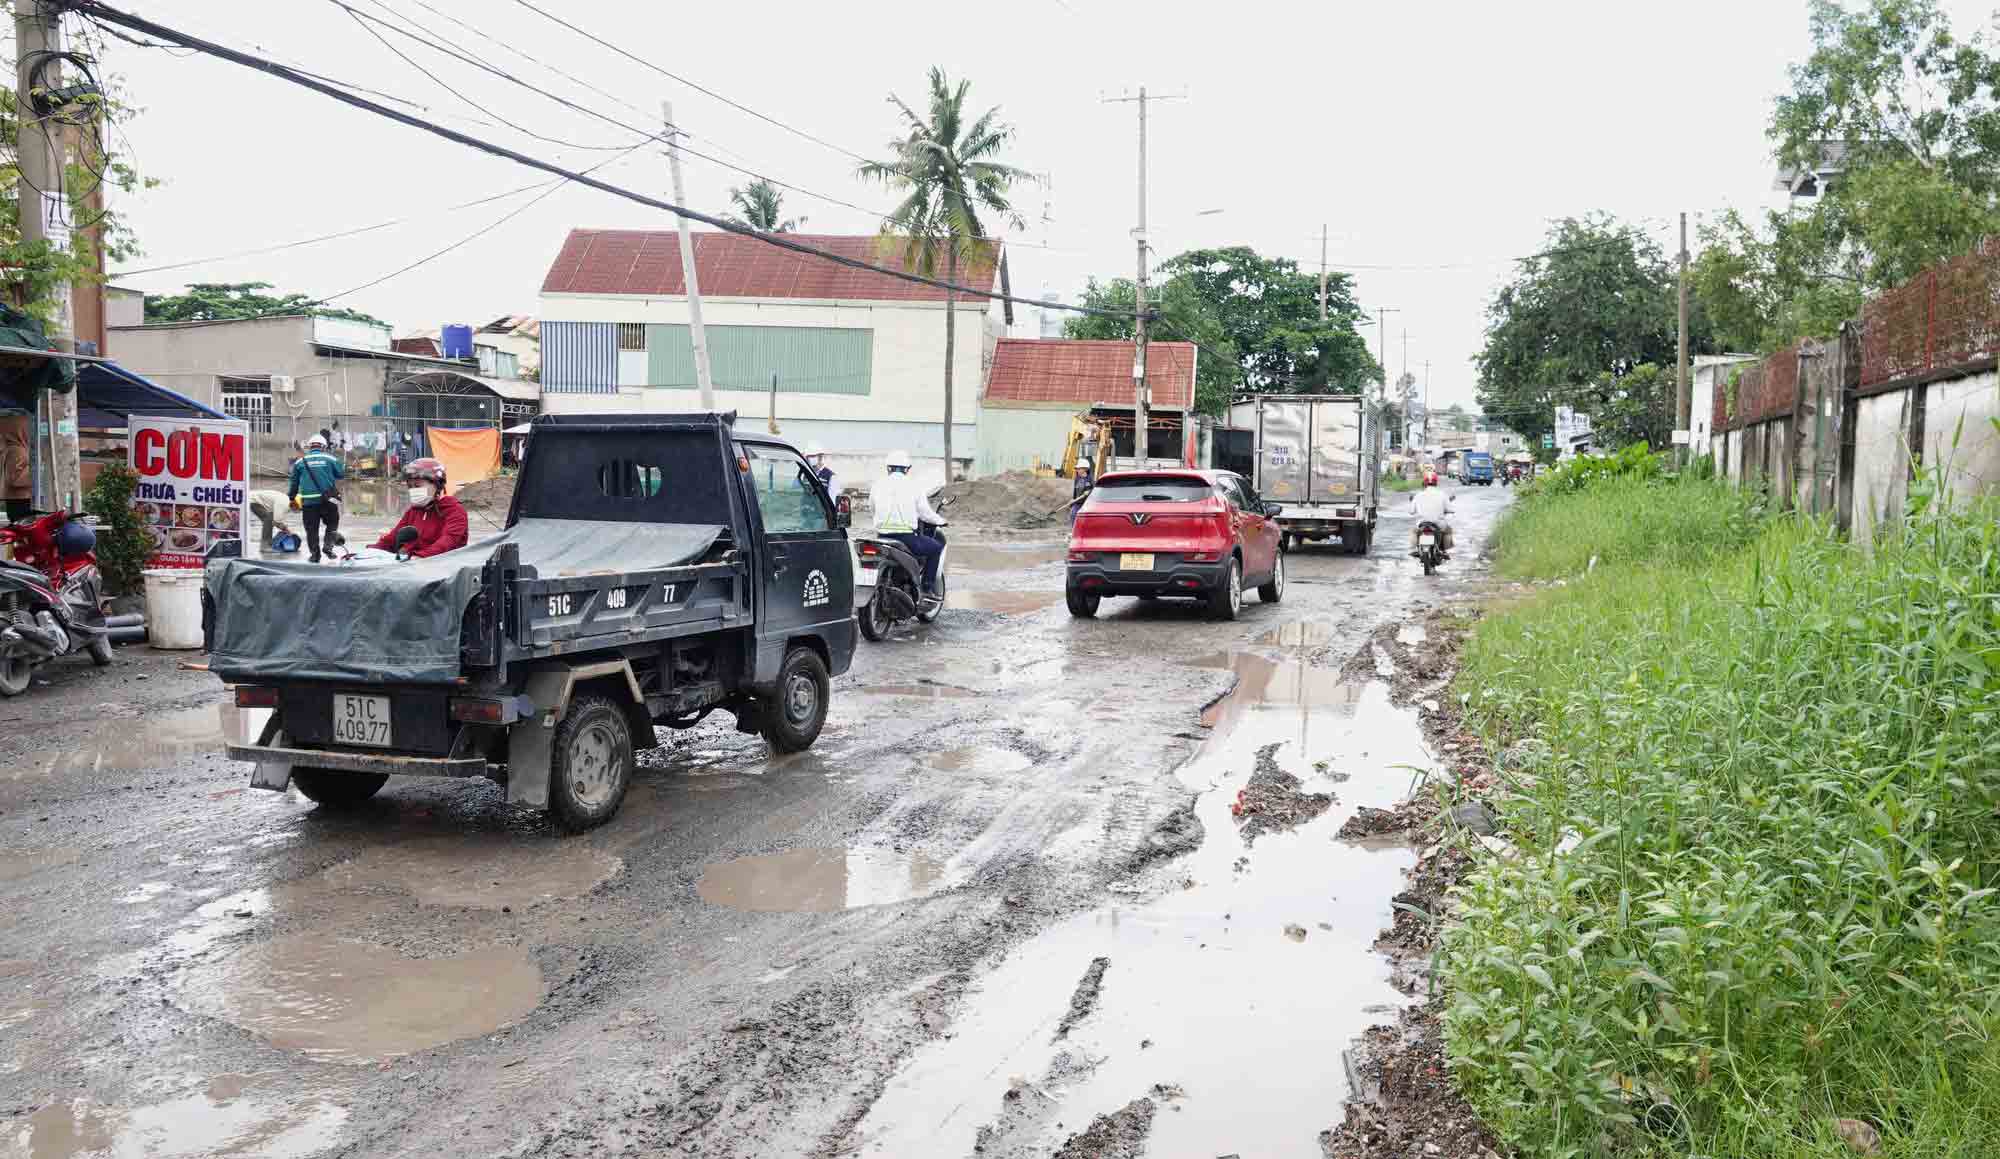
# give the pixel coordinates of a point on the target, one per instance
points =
(898, 459)
(316, 441)
(814, 450)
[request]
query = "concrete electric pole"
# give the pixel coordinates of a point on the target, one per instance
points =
(1681, 398)
(1322, 272)
(44, 214)
(702, 379)
(1141, 385)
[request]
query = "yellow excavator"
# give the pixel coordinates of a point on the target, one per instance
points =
(1089, 442)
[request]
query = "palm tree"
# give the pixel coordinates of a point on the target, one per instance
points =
(948, 174)
(758, 205)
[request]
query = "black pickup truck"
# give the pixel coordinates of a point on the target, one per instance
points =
(653, 568)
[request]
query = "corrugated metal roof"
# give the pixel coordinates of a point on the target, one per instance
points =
(1081, 372)
(728, 265)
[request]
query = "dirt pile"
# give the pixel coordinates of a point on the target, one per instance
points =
(1274, 800)
(1012, 499)
(1118, 1135)
(493, 496)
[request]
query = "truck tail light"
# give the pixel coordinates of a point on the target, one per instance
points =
(255, 696)
(479, 710)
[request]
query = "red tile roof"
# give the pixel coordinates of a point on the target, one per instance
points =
(728, 265)
(427, 347)
(1081, 372)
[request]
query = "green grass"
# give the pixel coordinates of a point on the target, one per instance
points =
(1772, 768)
(1399, 483)
(1675, 522)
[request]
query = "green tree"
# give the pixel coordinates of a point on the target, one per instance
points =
(1269, 310)
(1183, 316)
(760, 205)
(1456, 418)
(947, 171)
(1907, 116)
(213, 301)
(1596, 303)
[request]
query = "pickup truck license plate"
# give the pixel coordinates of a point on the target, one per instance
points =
(1426, 540)
(1135, 561)
(361, 720)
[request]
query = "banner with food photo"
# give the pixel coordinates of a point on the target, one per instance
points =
(194, 485)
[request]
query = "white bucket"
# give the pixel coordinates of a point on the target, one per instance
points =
(173, 607)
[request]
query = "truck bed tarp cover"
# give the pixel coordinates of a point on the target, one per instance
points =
(399, 623)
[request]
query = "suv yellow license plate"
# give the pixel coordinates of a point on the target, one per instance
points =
(1135, 561)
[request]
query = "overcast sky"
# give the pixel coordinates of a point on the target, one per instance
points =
(1434, 141)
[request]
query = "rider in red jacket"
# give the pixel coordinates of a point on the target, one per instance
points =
(438, 518)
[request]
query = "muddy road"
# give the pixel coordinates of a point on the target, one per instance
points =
(1012, 901)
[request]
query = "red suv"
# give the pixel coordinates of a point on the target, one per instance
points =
(1203, 534)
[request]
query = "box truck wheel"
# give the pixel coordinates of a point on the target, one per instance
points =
(793, 718)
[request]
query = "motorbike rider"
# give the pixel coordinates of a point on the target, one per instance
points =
(900, 504)
(315, 491)
(438, 518)
(1431, 505)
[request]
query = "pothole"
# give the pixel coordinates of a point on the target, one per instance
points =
(453, 871)
(221, 1121)
(925, 690)
(1005, 603)
(820, 880)
(348, 1001)
(978, 759)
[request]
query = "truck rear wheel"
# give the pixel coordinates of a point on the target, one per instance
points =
(1353, 539)
(337, 790)
(590, 763)
(793, 718)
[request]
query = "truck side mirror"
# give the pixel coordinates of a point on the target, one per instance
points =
(1272, 509)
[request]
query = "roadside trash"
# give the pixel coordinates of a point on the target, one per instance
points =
(1475, 818)
(1500, 847)
(1295, 931)
(1861, 1138)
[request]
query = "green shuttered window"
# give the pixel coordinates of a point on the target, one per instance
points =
(807, 359)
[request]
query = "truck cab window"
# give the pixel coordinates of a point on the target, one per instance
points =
(628, 479)
(786, 495)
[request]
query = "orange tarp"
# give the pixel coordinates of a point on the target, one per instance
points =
(468, 455)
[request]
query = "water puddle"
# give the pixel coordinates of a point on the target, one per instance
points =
(1005, 603)
(978, 759)
(1300, 633)
(990, 557)
(132, 745)
(219, 1121)
(1261, 964)
(356, 1002)
(455, 871)
(926, 690)
(820, 880)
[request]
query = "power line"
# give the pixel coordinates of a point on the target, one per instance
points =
(100, 11)
(576, 80)
(363, 19)
(698, 88)
(380, 225)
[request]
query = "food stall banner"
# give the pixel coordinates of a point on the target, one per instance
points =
(194, 484)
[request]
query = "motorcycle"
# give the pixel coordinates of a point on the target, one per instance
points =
(51, 597)
(899, 594)
(1429, 553)
(344, 556)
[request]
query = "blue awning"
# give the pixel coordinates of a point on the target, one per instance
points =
(108, 393)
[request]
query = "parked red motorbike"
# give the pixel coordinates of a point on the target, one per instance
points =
(51, 597)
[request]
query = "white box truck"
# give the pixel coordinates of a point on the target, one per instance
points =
(1318, 456)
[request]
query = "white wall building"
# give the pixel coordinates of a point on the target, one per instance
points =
(859, 356)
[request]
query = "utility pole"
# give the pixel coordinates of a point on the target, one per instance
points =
(44, 217)
(1382, 343)
(702, 379)
(1322, 272)
(1141, 386)
(1427, 399)
(1682, 405)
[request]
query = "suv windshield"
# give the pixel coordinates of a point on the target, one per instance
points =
(1152, 489)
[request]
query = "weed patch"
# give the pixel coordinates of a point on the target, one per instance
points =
(1760, 844)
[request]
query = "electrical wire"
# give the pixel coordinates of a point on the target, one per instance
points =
(592, 37)
(97, 10)
(380, 225)
(579, 81)
(363, 18)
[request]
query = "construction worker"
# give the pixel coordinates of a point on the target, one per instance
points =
(315, 491)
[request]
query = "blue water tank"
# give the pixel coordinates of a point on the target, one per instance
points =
(457, 340)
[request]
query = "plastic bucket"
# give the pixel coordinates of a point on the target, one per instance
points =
(173, 607)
